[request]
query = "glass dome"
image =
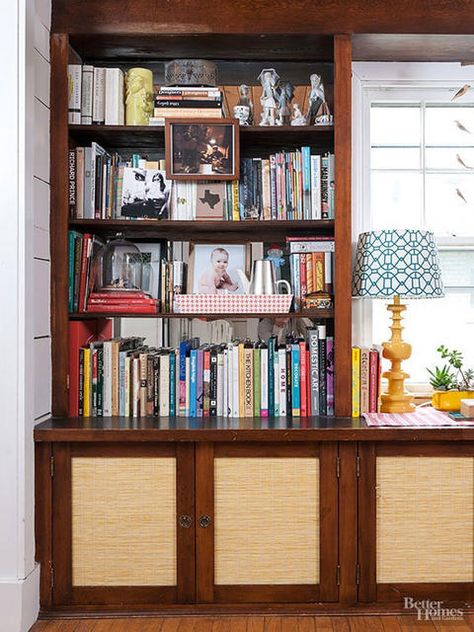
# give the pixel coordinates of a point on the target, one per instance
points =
(118, 266)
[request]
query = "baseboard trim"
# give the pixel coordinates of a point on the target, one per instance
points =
(19, 603)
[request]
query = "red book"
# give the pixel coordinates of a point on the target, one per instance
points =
(125, 308)
(118, 294)
(121, 301)
(373, 379)
(303, 380)
(81, 333)
(86, 246)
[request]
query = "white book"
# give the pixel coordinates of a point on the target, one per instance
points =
(135, 386)
(87, 94)
(114, 104)
(96, 150)
(98, 104)
(107, 380)
(128, 366)
(235, 382)
(164, 385)
(225, 385)
(326, 245)
(282, 380)
(220, 383)
(230, 390)
(74, 77)
(315, 187)
(264, 382)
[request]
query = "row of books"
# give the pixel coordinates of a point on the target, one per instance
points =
(82, 248)
(366, 374)
(125, 377)
(311, 270)
(104, 186)
(96, 95)
(186, 102)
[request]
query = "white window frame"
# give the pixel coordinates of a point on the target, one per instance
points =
(374, 82)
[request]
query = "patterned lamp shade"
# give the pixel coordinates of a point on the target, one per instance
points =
(401, 263)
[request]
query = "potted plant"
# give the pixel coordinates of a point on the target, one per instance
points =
(451, 382)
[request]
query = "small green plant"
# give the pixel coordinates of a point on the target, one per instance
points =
(441, 378)
(451, 375)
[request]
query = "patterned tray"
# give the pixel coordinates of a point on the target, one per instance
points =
(232, 304)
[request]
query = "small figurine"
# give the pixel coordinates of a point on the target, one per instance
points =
(138, 96)
(275, 254)
(246, 99)
(318, 111)
(297, 118)
(284, 95)
(269, 79)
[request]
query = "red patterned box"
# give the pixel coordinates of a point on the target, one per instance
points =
(232, 304)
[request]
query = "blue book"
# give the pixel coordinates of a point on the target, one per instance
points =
(172, 384)
(193, 383)
(199, 381)
(121, 381)
(72, 234)
(271, 376)
(184, 346)
(295, 380)
(306, 155)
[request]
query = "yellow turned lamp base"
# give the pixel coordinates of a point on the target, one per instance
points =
(396, 399)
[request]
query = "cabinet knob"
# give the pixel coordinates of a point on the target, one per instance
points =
(205, 521)
(185, 521)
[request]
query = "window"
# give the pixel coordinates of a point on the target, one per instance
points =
(420, 174)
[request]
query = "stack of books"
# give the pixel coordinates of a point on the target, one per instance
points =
(238, 379)
(366, 375)
(311, 270)
(96, 95)
(122, 302)
(186, 102)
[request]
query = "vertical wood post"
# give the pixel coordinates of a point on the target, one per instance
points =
(59, 223)
(343, 259)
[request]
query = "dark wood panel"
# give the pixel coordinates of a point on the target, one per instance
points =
(399, 448)
(451, 593)
(62, 525)
(316, 429)
(204, 489)
(59, 223)
(119, 595)
(407, 47)
(43, 519)
(262, 450)
(329, 521)
(261, 593)
(259, 139)
(266, 16)
(367, 523)
(348, 523)
(343, 235)
(197, 231)
(186, 536)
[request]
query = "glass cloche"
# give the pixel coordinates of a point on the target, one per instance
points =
(118, 266)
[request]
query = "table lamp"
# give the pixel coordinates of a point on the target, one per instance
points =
(397, 264)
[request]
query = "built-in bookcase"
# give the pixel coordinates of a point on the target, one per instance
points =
(328, 56)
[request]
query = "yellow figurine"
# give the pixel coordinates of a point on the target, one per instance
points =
(138, 96)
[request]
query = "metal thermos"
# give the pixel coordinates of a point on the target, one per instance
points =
(263, 279)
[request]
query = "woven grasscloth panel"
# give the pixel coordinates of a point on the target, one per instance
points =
(266, 520)
(123, 521)
(425, 519)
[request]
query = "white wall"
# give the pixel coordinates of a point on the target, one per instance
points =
(24, 291)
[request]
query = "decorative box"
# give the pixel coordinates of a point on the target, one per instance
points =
(232, 304)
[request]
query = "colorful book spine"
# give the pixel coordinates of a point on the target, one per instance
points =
(282, 380)
(364, 380)
(248, 381)
(355, 381)
(373, 379)
(303, 380)
(193, 387)
(264, 381)
(313, 342)
(330, 374)
(322, 369)
(172, 396)
(295, 380)
(256, 381)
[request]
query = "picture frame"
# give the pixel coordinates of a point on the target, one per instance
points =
(202, 149)
(152, 254)
(213, 268)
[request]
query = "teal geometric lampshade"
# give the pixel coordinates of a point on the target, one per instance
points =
(401, 263)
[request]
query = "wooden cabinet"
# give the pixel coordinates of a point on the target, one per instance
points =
(266, 526)
(120, 527)
(416, 522)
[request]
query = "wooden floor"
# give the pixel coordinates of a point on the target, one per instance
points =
(255, 624)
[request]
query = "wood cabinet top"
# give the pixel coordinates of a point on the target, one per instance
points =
(280, 429)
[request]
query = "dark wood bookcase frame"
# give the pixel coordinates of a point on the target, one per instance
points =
(256, 138)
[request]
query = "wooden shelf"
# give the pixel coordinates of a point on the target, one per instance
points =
(202, 230)
(313, 313)
(153, 137)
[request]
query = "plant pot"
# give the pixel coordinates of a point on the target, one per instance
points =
(449, 400)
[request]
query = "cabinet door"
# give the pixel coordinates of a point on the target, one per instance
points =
(266, 523)
(123, 525)
(416, 525)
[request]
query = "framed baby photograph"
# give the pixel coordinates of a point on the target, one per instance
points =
(215, 268)
(202, 149)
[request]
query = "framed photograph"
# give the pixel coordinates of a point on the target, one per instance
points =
(145, 193)
(202, 149)
(210, 199)
(213, 268)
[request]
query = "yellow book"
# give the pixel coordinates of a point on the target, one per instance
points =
(87, 382)
(235, 201)
(355, 382)
(241, 380)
